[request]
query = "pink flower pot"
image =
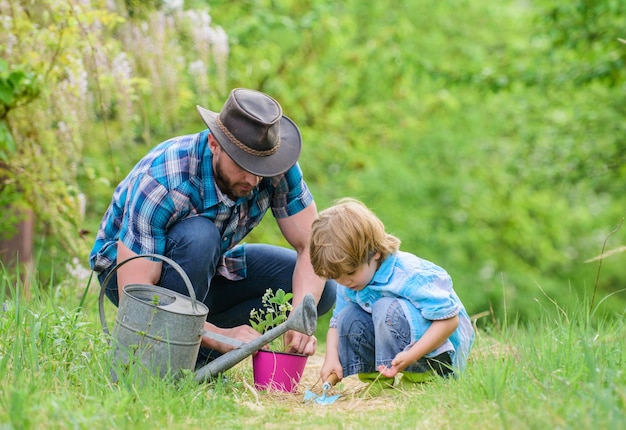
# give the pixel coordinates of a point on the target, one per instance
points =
(277, 370)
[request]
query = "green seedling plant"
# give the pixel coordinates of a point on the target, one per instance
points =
(276, 308)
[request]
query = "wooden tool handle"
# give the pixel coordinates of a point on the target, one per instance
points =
(332, 379)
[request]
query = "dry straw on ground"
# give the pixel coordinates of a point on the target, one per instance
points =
(353, 394)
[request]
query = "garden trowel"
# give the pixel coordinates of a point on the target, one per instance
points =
(323, 399)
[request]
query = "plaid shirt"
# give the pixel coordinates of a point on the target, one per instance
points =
(175, 181)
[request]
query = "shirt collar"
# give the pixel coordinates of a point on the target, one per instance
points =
(385, 271)
(221, 197)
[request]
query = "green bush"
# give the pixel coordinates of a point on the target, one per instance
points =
(486, 135)
(461, 125)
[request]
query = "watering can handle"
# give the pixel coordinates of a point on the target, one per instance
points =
(181, 272)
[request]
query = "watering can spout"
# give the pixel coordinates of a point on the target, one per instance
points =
(303, 319)
(307, 316)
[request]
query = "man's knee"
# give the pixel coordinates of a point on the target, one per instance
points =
(196, 235)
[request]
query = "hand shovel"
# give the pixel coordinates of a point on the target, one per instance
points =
(323, 399)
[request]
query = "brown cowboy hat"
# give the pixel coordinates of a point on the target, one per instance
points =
(253, 131)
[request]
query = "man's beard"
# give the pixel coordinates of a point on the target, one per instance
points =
(227, 187)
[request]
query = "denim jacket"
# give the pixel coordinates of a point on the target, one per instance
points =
(427, 293)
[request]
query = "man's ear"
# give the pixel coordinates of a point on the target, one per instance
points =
(213, 145)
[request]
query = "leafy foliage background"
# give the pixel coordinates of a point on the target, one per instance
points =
(487, 135)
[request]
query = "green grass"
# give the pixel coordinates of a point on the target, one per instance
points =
(563, 371)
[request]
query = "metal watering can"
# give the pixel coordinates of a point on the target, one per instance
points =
(159, 330)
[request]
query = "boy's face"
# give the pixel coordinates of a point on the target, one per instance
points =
(362, 276)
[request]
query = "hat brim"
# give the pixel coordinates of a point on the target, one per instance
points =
(272, 165)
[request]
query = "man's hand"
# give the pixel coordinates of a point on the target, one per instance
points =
(242, 333)
(300, 343)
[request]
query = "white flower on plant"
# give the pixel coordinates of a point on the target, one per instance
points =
(77, 271)
(197, 68)
(173, 5)
(276, 305)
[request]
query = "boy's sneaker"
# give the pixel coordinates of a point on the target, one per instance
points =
(410, 379)
(376, 383)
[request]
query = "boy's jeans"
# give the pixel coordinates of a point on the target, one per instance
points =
(369, 340)
(194, 244)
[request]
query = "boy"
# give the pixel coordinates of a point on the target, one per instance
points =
(395, 312)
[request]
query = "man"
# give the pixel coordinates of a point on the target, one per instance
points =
(194, 198)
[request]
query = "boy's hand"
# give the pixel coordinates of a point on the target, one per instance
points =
(400, 362)
(389, 372)
(330, 368)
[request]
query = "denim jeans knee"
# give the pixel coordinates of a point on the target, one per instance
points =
(392, 329)
(356, 340)
(193, 243)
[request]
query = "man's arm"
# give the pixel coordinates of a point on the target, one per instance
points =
(297, 231)
(137, 271)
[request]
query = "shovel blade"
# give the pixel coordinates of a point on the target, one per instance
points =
(310, 396)
(327, 400)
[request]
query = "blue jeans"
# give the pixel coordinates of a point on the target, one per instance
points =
(194, 243)
(369, 340)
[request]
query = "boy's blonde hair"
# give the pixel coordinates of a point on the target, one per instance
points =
(346, 236)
